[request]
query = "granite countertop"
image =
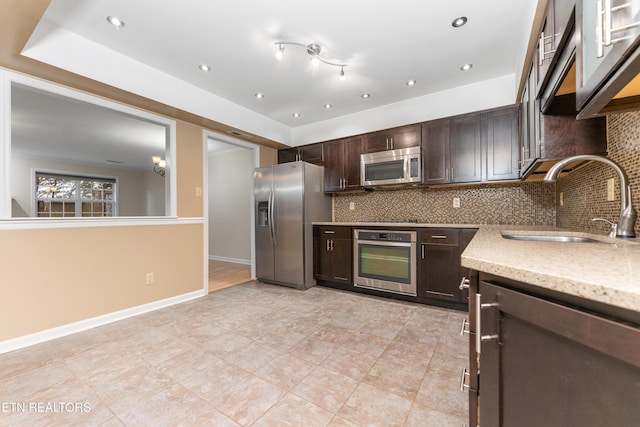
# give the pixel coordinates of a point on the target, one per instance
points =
(607, 272)
(397, 224)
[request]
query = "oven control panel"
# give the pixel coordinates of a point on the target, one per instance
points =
(385, 236)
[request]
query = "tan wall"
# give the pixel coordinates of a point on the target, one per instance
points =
(268, 156)
(190, 161)
(58, 276)
(53, 277)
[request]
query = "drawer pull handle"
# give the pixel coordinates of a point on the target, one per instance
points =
(329, 232)
(464, 329)
(464, 284)
(463, 377)
(438, 236)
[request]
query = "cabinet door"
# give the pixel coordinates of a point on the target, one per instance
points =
(405, 137)
(352, 151)
(435, 152)
(376, 141)
(312, 153)
(342, 265)
(441, 262)
(544, 48)
(597, 63)
(502, 144)
(288, 155)
(466, 148)
(334, 166)
(551, 365)
(323, 258)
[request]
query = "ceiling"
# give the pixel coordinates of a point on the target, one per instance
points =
(383, 44)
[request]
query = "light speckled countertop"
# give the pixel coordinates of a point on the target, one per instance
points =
(398, 224)
(607, 272)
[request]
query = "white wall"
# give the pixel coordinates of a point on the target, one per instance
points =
(139, 193)
(230, 204)
(461, 100)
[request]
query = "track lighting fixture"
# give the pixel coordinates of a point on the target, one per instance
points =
(313, 50)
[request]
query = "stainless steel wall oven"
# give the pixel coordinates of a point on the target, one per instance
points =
(385, 260)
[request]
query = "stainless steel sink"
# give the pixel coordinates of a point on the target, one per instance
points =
(550, 238)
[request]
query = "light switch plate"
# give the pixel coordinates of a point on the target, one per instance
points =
(456, 202)
(611, 194)
(352, 207)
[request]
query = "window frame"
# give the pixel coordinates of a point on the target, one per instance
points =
(79, 200)
(7, 78)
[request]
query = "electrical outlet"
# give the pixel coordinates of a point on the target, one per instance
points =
(149, 279)
(561, 198)
(456, 202)
(198, 191)
(352, 207)
(611, 194)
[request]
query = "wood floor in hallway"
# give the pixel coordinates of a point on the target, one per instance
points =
(226, 274)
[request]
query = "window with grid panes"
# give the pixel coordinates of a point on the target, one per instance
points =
(59, 195)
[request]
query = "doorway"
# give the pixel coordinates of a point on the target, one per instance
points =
(229, 216)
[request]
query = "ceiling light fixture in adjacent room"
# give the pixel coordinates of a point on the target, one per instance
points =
(296, 115)
(204, 67)
(365, 95)
(411, 83)
(313, 50)
(159, 165)
(459, 22)
(466, 67)
(328, 106)
(115, 21)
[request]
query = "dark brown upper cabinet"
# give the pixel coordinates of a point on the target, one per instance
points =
(550, 129)
(554, 34)
(451, 150)
(311, 153)
(342, 164)
(392, 139)
(474, 147)
(608, 58)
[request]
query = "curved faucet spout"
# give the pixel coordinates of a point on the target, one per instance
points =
(628, 215)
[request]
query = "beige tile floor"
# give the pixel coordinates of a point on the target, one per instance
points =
(250, 355)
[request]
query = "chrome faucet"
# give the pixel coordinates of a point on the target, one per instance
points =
(627, 219)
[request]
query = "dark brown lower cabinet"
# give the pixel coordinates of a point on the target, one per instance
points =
(440, 270)
(333, 254)
(544, 363)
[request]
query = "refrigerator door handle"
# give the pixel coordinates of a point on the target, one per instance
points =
(272, 226)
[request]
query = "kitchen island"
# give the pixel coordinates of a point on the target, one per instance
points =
(555, 327)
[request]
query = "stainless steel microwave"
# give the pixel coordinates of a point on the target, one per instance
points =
(391, 167)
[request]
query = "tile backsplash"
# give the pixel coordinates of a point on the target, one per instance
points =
(585, 190)
(515, 203)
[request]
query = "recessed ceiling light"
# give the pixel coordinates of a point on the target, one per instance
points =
(466, 67)
(204, 67)
(115, 21)
(296, 115)
(365, 95)
(328, 106)
(459, 22)
(259, 95)
(411, 83)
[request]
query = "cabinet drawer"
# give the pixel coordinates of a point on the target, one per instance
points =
(442, 236)
(333, 232)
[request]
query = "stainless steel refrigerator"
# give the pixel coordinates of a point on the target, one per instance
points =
(288, 198)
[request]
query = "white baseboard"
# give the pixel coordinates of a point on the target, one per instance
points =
(227, 259)
(83, 325)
